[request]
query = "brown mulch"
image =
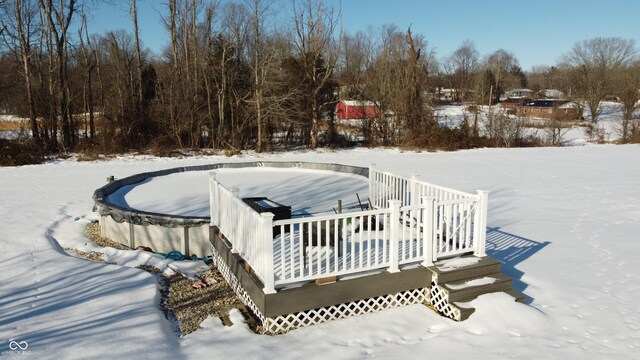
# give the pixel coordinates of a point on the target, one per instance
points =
(180, 302)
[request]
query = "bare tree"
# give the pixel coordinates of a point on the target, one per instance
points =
(593, 63)
(505, 129)
(263, 59)
(556, 128)
(59, 18)
(233, 77)
(355, 59)
(416, 125)
(502, 64)
(120, 109)
(464, 63)
(397, 80)
(133, 10)
(89, 59)
(20, 23)
(548, 77)
(182, 99)
(628, 90)
(382, 79)
(315, 25)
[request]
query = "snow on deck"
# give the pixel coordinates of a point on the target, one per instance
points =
(364, 250)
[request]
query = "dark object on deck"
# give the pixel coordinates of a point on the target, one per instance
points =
(263, 204)
(317, 233)
(369, 223)
(362, 207)
(310, 233)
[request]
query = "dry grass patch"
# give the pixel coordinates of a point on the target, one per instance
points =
(11, 125)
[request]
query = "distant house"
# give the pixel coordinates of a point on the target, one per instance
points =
(357, 110)
(547, 103)
(447, 95)
(550, 109)
(517, 94)
(514, 103)
(551, 94)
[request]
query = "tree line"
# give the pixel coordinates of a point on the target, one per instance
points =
(240, 75)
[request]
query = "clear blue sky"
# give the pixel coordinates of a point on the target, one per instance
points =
(537, 32)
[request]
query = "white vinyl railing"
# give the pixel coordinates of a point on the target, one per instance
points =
(384, 186)
(410, 222)
(455, 220)
(249, 232)
(333, 245)
(459, 218)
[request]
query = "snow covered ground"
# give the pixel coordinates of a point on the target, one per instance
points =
(609, 120)
(564, 221)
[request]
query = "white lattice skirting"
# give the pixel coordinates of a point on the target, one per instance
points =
(235, 285)
(440, 301)
(288, 322)
(300, 319)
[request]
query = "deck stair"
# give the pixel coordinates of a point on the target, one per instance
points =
(457, 282)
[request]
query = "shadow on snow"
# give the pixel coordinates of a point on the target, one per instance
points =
(510, 250)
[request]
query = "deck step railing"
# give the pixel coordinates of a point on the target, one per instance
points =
(411, 222)
(459, 218)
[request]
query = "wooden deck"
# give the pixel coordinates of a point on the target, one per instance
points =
(443, 286)
(312, 296)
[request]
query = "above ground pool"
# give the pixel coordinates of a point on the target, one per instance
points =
(169, 209)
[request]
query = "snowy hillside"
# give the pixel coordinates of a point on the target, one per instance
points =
(564, 221)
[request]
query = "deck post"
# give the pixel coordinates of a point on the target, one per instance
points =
(394, 235)
(373, 196)
(213, 214)
(267, 260)
(415, 190)
(429, 245)
(480, 228)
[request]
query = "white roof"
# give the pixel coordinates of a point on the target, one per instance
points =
(359, 103)
(553, 93)
(570, 104)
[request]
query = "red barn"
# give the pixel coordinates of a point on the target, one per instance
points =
(357, 109)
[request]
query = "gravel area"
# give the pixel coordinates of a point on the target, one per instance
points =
(91, 255)
(191, 306)
(93, 233)
(180, 301)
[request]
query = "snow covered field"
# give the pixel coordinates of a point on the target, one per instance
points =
(565, 222)
(609, 119)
